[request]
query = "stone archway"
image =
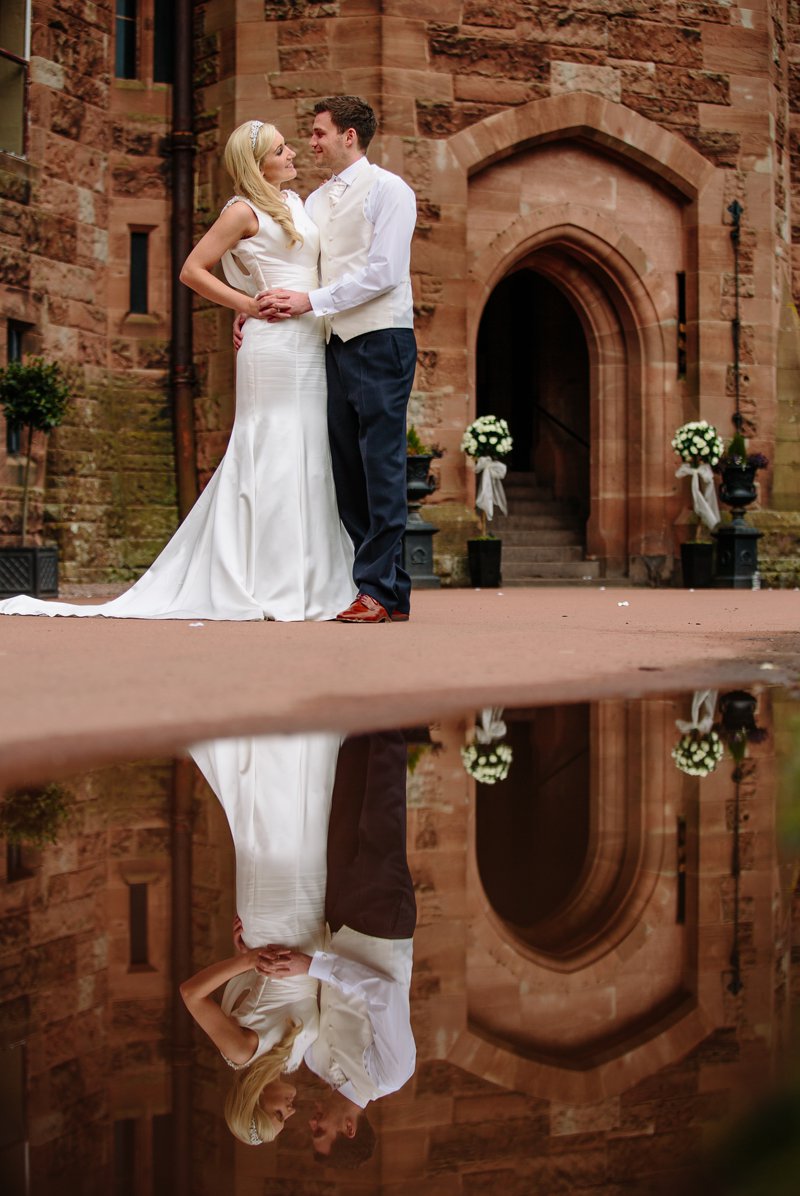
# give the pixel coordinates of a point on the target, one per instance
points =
(597, 202)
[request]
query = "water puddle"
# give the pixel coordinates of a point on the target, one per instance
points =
(541, 950)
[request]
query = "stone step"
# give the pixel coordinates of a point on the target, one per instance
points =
(589, 583)
(538, 506)
(521, 570)
(537, 552)
(542, 535)
(519, 523)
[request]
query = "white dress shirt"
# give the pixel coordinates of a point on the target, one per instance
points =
(366, 1047)
(391, 208)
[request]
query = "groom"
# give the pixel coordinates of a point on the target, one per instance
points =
(366, 217)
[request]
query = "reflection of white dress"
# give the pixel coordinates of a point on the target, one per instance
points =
(264, 539)
(276, 792)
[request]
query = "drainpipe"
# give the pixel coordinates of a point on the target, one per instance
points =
(182, 371)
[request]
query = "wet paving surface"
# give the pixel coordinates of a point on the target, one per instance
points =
(542, 950)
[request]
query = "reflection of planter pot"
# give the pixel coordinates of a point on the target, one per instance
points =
(738, 710)
(32, 570)
(697, 564)
(484, 563)
(738, 485)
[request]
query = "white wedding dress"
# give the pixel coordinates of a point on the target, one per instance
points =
(264, 540)
(276, 792)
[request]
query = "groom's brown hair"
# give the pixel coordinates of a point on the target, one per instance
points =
(350, 112)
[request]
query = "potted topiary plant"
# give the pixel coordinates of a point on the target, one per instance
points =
(33, 394)
(486, 441)
(699, 447)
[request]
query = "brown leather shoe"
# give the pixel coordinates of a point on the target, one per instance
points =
(400, 616)
(364, 609)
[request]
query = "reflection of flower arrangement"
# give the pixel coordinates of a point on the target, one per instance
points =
(485, 759)
(487, 763)
(487, 436)
(698, 443)
(698, 753)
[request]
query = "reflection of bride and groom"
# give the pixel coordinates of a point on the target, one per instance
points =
(323, 934)
(265, 539)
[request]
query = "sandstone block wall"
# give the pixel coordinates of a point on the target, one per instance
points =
(95, 168)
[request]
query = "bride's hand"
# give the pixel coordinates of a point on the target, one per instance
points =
(281, 962)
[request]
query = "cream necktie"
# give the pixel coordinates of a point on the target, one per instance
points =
(336, 190)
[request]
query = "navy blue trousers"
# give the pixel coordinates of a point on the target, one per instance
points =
(369, 381)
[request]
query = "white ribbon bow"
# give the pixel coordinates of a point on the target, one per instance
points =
(491, 725)
(704, 703)
(490, 486)
(705, 502)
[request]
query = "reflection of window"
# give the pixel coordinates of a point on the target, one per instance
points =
(138, 925)
(125, 50)
(125, 1157)
(14, 52)
(13, 1147)
(14, 353)
(138, 276)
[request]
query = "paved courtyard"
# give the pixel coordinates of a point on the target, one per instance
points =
(71, 689)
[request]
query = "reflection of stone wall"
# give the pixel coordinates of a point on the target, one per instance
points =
(93, 1032)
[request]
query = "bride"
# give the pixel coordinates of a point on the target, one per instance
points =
(264, 540)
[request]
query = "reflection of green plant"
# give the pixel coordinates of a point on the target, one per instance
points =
(34, 816)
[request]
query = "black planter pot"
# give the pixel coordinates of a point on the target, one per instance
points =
(484, 563)
(418, 536)
(32, 570)
(737, 542)
(738, 485)
(697, 565)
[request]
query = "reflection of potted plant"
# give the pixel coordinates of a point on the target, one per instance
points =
(698, 753)
(33, 395)
(737, 727)
(487, 440)
(699, 447)
(418, 536)
(486, 757)
(700, 749)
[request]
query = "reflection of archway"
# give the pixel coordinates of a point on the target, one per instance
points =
(532, 829)
(603, 981)
(532, 369)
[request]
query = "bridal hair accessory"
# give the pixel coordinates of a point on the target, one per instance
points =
(255, 125)
(255, 1137)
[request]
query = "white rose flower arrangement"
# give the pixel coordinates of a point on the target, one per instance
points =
(700, 447)
(698, 442)
(486, 440)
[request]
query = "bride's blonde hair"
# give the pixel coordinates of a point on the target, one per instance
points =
(243, 158)
(243, 1113)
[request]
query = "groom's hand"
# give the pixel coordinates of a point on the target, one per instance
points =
(282, 305)
(238, 335)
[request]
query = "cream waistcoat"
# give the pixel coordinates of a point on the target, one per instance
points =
(345, 236)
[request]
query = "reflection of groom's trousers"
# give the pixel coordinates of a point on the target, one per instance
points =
(369, 381)
(369, 886)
